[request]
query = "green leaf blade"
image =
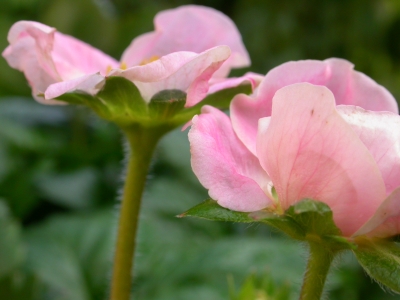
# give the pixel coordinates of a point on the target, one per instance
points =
(210, 210)
(381, 261)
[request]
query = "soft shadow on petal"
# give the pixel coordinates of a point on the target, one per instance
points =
(74, 58)
(224, 166)
(309, 151)
(90, 84)
(380, 133)
(386, 221)
(247, 110)
(351, 87)
(219, 84)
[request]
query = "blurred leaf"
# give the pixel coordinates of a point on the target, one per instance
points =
(20, 286)
(381, 261)
(260, 288)
(20, 135)
(12, 252)
(27, 111)
(71, 255)
(72, 190)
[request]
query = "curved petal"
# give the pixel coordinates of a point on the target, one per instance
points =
(185, 71)
(90, 84)
(27, 62)
(246, 110)
(354, 88)
(225, 83)
(29, 52)
(141, 49)
(47, 57)
(188, 28)
(386, 221)
(309, 151)
(348, 86)
(74, 58)
(224, 166)
(380, 133)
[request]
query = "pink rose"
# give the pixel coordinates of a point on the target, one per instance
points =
(318, 143)
(192, 48)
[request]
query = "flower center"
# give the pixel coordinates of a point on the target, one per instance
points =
(122, 66)
(149, 60)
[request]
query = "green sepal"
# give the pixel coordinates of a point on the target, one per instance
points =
(307, 220)
(220, 99)
(381, 260)
(211, 210)
(118, 101)
(166, 104)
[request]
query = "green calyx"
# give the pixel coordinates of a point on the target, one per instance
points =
(307, 220)
(120, 101)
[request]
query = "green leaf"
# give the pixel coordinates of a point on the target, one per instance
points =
(210, 210)
(381, 260)
(307, 220)
(166, 104)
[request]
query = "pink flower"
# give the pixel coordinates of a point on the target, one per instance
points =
(191, 49)
(344, 156)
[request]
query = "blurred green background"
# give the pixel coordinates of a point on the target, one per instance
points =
(60, 167)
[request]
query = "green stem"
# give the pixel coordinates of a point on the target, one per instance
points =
(318, 266)
(142, 142)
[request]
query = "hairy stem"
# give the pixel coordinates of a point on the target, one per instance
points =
(318, 266)
(142, 142)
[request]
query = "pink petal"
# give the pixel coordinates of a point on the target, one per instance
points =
(386, 221)
(224, 166)
(309, 151)
(189, 28)
(47, 57)
(29, 52)
(89, 84)
(354, 88)
(246, 110)
(251, 78)
(347, 85)
(74, 58)
(185, 71)
(380, 133)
